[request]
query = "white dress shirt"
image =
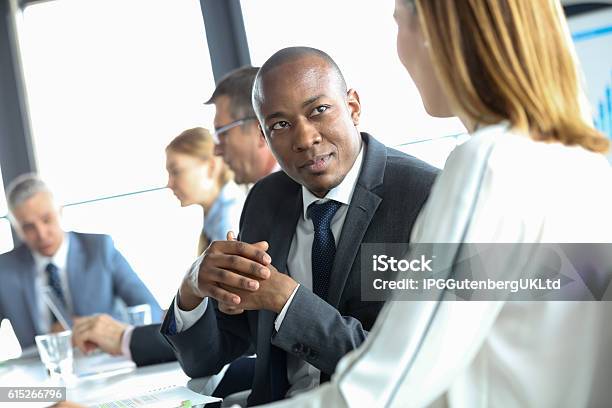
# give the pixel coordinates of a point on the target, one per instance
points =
(60, 259)
(500, 186)
(301, 375)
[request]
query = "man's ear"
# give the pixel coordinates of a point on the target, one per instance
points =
(354, 105)
(17, 227)
(215, 166)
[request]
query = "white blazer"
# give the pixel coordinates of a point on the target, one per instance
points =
(500, 186)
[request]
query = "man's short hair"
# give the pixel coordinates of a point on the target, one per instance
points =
(291, 54)
(237, 85)
(22, 188)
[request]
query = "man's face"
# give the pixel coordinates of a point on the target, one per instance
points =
(38, 224)
(238, 145)
(309, 122)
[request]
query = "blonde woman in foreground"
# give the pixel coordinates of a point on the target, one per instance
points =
(532, 171)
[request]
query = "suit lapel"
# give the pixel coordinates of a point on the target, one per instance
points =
(360, 213)
(289, 211)
(77, 278)
(280, 242)
(28, 282)
(362, 208)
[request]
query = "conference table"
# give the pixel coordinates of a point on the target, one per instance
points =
(100, 378)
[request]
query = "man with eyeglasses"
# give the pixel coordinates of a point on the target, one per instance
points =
(237, 136)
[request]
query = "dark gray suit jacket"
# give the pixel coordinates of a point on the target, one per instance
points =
(390, 191)
(148, 346)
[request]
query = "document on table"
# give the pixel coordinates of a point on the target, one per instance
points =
(166, 397)
(99, 365)
(9, 345)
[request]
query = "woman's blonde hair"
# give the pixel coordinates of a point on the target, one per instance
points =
(198, 142)
(510, 60)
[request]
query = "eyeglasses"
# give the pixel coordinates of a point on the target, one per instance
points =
(224, 129)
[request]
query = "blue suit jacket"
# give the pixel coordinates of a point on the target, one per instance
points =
(97, 275)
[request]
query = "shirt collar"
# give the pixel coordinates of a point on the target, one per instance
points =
(343, 192)
(60, 259)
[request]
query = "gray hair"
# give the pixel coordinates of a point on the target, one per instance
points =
(22, 188)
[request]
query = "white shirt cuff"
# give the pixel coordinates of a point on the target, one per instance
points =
(185, 319)
(283, 312)
(126, 338)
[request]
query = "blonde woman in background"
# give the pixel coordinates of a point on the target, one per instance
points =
(532, 172)
(197, 176)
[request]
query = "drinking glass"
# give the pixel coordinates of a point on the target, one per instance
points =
(55, 350)
(139, 315)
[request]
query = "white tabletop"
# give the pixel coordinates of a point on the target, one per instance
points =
(101, 377)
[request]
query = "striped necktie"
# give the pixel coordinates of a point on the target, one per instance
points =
(54, 282)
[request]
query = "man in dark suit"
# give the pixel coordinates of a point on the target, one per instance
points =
(86, 272)
(291, 285)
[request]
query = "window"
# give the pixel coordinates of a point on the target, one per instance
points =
(360, 36)
(157, 237)
(110, 83)
(6, 239)
(433, 151)
(592, 32)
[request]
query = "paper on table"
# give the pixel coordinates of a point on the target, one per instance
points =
(100, 364)
(166, 397)
(9, 345)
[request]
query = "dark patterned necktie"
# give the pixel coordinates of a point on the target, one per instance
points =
(323, 245)
(55, 283)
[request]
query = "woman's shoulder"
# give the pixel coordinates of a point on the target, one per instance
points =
(500, 150)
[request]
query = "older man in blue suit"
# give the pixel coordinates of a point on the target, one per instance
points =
(85, 271)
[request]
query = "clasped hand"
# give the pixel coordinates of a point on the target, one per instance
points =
(239, 276)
